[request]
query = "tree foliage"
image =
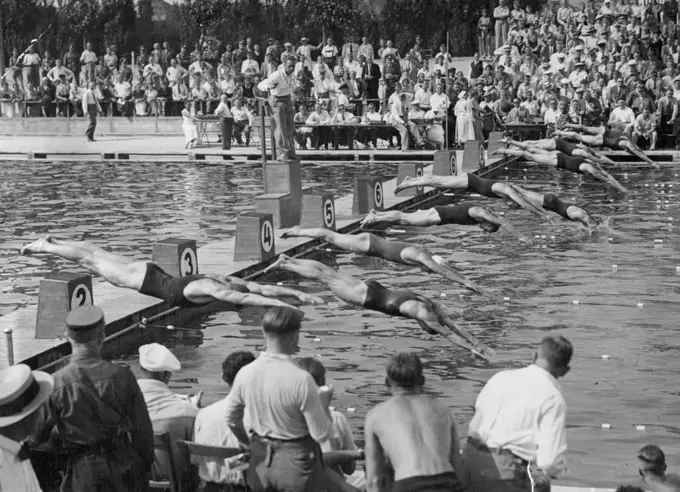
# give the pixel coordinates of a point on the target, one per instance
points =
(118, 19)
(327, 14)
(17, 17)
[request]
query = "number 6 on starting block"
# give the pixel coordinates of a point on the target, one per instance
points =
(254, 237)
(368, 194)
(58, 295)
(176, 256)
(318, 210)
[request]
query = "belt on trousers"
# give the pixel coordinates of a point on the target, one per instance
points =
(486, 449)
(294, 440)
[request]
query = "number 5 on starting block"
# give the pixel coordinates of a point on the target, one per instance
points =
(255, 237)
(318, 210)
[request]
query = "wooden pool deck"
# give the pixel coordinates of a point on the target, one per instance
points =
(124, 308)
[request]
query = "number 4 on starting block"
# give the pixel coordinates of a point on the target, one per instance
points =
(254, 237)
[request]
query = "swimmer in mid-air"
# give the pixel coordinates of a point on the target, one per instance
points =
(471, 182)
(149, 279)
(579, 165)
(600, 136)
(372, 295)
(395, 251)
(460, 214)
(560, 145)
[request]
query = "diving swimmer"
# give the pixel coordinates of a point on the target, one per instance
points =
(461, 214)
(395, 251)
(560, 145)
(372, 295)
(149, 279)
(600, 136)
(578, 165)
(471, 182)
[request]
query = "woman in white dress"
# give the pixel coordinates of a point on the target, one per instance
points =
(189, 127)
(462, 118)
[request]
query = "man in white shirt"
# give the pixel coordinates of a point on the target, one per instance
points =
(281, 84)
(622, 118)
(243, 121)
(226, 120)
(304, 53)
(343, 136)
(123, 92)
(366, 49)
(319, 133)
(645, 127)
(210, 427)
(55, 73)
(88, 60)
(175, 73)
(91, 108)
(400, 123)
(288, 415)
(518, 434)
(440, 102)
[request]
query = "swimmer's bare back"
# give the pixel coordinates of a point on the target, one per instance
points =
(416, 433)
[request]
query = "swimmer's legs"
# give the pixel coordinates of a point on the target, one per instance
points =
(419, 218)
(446, 182)
(633, 149)
(513, 193)
(532, 145)
(549, 159)
(589, 130)
(598, 173)
(114, 268)
(415, 255)
(534, 198)
(357, 243)
(588, 153)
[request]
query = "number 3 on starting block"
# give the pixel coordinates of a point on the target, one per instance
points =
(176, 256)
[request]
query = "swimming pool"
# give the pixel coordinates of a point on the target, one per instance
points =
(133, 205)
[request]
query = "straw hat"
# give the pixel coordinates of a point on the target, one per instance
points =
(22, 392)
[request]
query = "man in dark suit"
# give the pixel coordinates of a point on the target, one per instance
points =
(370, 72)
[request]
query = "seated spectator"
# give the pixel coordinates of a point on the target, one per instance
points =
(645, 129)
(122, 92)
(343, 136)
(652, 470)
(320, 134)
(302, 133)
(169, 412)
(180, 94)
(622, 118)
(152, 100)
(211, 428)
(139, 98)
(31, 96)
(518, 113)
(435, 129)
(403, 126)
(243, 121)
(47, 97)
(55, 73)
(76, 98)
(62, 96)
(250, 65)
(368, 135)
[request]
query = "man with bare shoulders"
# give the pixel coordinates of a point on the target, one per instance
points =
(411, 439)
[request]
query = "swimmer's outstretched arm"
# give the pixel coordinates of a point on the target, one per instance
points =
(633, 149)
(483, 213)
(513, 194)
(239, 298)
(597, 172)
(276, 291)
(419, 218)
(446, 182)
(426, 259)
(590, 130)
(548, 159)
(531, 145)
(595, 156)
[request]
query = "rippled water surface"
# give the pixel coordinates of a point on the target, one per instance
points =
(128, 207)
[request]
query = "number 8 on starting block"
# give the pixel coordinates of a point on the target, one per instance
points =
(255, 237)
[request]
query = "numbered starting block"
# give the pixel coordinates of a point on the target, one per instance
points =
(368, 194)
(176, 256)
(495, 143)
(473, 156)
(255, 237)
(282, 206)
(59, 294)
(411, 170)
(445, 163)
(318, 210)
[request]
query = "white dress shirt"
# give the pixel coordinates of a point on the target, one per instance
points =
(439, 102)
(523, 411)
(278, 83)
(14, 474)
(625, 116)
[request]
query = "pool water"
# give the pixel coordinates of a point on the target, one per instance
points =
(628, 313)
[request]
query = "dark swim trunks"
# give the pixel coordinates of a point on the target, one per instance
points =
(388, 250)
(158, 283)
(457, 214)
(481, 185)
(553, 203)
(565, 147)
(611, 138)
(443, 482)
(572, 164)
(383, 300)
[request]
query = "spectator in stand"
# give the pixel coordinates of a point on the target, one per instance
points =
(71, 59)
(30, 63)
(329, 52)
(622, 118)
(501, 14)
(302, 133)
(484, 34)
(243, 121)
(169, 412)
(316, 120)
(304, 53)
(288, 52)
(652, 469)
(62, 96)
(268, 66)
(47, 97)
(211, 429)
(343, 136)
(518, 432)
(399, 121)
(250, 65)
(645, 128)
(365, 50)
(350, 48)
(370, 73)
(88, 61)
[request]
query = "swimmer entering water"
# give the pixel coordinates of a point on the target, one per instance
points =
(560, 145)
(579, 165)
(395, 251)
(149, 279)
(460, 214)
(600, 136)
(471, 182)
(372, 295)
(552, 202)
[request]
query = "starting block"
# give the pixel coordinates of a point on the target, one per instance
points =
(176, 256)
(368, 194)
(412, 170)
(282, 207)
(283, 177)
(58, 295)
(494, 143)
(473, 156)
(254, 237)
(445, 163)
(318, 210)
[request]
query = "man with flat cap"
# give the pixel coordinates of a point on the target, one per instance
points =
(170, 413)
(96, 415)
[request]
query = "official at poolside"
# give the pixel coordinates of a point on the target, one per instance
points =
(519, 426)
(97, 414)
(288, 414)
(226, 122)
(91, 108)
(281, 86)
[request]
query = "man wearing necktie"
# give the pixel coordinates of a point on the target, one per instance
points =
(91, 108)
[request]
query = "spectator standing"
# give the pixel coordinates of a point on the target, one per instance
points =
(520, 420)
(366, 49)
(288, 415)
(88, 61)
(304, 53)
(22, 392)
(170, 414)
(243, 121)
(97, 414)
(411, 439)
(226, 122)
(501, 14)
(652, 470)
(30, 63)
(330, 53)
(211, 428)
(350, 48)
(370, 72)
(484, 34)
(72, 59)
